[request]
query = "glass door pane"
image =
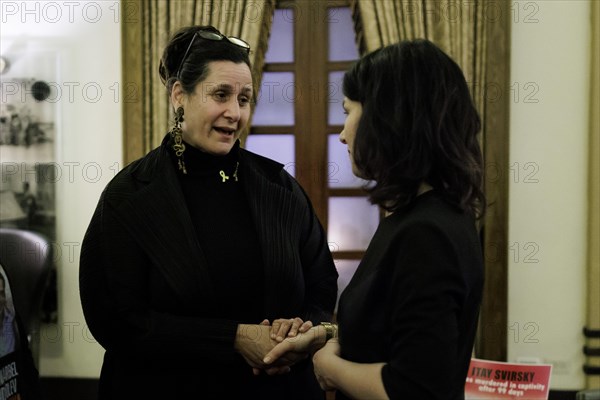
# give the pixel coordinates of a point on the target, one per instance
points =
(340, 170)
(281, 40)
(352, 223)
(335, 95)
(346, 269)
(276, 147)
(275, 104)
(342, 46)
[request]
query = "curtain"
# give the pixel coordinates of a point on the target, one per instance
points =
(593, 298)
(146, 29)
(476, 34)
(455, 26)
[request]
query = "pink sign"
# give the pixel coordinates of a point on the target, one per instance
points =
(501, 380)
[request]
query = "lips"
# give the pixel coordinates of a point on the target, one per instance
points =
(224, 130)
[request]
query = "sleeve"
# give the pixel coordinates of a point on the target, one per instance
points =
(426, 292)
(114, 290)
(320, 274)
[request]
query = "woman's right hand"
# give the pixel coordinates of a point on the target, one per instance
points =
(307, 342)
(253, 342)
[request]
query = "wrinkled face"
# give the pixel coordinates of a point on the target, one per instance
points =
(353, 111)
(219, 108)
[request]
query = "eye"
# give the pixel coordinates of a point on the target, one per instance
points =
(244, 100)
(221, 96)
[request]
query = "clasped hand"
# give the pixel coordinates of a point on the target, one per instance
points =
(308, 343)
(254, 341)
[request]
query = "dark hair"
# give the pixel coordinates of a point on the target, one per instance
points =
(418, 124)
(195, 66)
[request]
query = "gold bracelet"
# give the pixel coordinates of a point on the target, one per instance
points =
(330, 330)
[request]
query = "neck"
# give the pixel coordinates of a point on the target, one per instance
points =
(424, 187)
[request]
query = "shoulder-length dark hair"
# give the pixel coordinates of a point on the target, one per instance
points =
(193, 67)
(418, 124)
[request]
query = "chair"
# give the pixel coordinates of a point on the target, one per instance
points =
(27, 259)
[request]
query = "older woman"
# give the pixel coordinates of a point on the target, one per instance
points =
(197, 243)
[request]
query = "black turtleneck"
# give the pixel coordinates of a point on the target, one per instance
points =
(220, 214)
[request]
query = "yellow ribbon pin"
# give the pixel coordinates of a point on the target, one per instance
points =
(225, 177)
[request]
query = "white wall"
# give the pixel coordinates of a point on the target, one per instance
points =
(87, 40)
(547, 218)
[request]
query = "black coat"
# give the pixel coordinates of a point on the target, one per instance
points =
(145, 286)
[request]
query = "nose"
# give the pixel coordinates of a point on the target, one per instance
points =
(342, 137)
(232, 111)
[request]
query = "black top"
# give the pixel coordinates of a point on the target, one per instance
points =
(414, 301)
(150, 292)
(220, 214)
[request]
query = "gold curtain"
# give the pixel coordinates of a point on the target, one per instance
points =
(593, 298)
(456, 26)
(476, 35)
(146, 28)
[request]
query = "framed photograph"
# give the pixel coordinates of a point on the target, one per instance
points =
(28, 121)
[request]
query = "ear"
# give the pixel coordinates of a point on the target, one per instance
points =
(177, 95)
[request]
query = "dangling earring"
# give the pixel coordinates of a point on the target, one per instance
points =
(176, 133)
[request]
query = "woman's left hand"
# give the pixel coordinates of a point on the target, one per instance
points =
(286, 361)
(322, 361)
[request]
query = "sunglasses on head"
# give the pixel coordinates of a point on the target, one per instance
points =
(210, 35)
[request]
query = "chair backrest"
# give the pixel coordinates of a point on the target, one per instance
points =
(27, 258)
